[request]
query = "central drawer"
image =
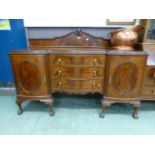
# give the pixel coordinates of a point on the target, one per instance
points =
(68, 59)
(77, 72)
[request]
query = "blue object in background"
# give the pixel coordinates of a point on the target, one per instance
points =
(13, 39)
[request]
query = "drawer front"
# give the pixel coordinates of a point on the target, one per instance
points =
(93, 72)
(92, 60)
(148, 91)
(150, 72)
(77, 72)
(61, 84)
(149, 81)
(92, 84)
(76, 85)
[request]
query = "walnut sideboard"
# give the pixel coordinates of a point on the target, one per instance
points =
(117, 75)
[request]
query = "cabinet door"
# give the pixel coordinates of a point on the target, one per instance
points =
(124, 76)
(30, 73)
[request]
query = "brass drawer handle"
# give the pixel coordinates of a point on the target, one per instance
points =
(59, 61)
(95, 61)
(59, 73)
(94, 85)
(59, 84)
(94, 73)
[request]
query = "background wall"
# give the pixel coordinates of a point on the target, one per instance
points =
(13, 39)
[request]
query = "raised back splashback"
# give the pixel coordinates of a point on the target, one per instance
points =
(73, 39)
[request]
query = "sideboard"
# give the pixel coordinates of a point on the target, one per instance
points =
(79, 63)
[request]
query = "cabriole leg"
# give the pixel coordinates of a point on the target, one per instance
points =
(19, 104)
(136, 107)
(105, 105)
(50, 103)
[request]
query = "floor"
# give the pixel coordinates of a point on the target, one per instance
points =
(76, 115)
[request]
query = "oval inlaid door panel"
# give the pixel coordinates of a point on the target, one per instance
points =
(29, 75)
(124, 78)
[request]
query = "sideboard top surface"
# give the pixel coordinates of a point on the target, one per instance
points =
(62, 51)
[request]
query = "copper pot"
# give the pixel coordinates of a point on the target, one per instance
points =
(124, 39)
